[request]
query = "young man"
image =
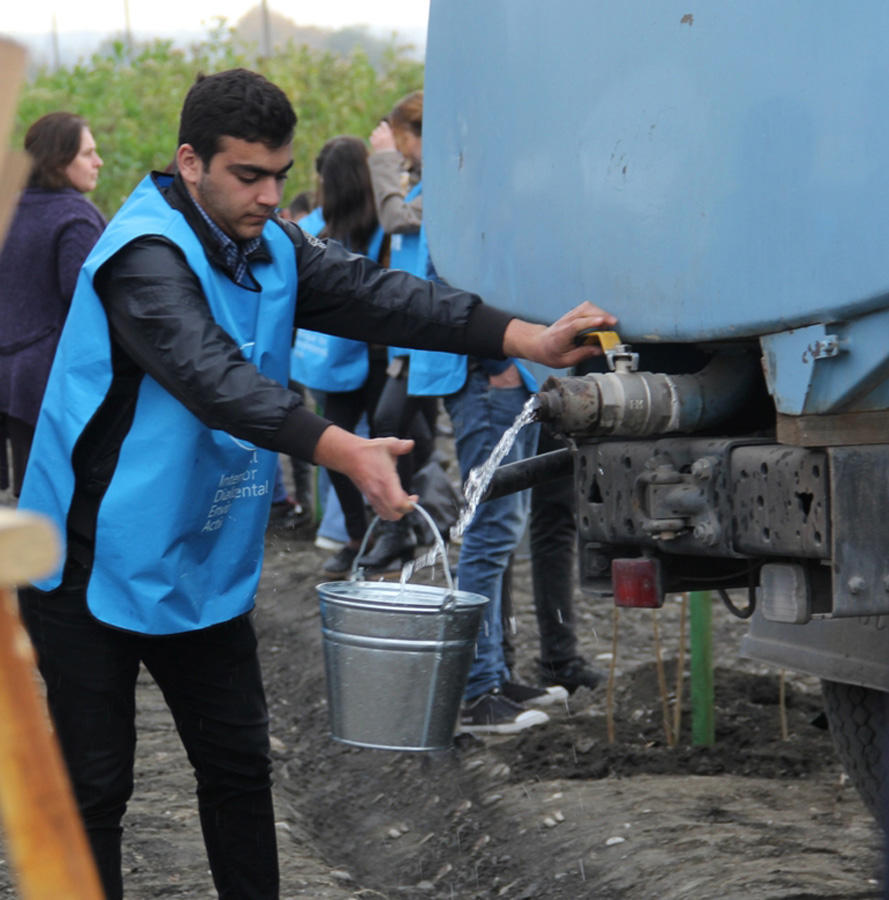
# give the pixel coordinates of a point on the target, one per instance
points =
(169, 378)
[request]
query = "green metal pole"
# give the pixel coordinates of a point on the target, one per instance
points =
(701, 617)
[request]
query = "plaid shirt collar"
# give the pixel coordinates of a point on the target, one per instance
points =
(235, 255)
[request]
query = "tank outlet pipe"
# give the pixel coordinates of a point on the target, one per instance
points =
(638, 404)
(526, 473)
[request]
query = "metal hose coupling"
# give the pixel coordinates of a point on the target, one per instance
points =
(637, 404)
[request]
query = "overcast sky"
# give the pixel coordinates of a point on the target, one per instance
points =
(169, 16)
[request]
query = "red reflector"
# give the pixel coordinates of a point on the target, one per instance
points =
(637, 582)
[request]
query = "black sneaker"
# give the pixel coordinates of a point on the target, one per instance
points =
(298, 519)
(493, 713)
(279, 511)
(341, 561)
(570, 674)
(532, 696)
(393, 548)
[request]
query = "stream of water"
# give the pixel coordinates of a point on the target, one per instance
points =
(474, 489)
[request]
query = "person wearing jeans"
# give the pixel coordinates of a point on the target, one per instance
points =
(489, 397)
(481, 412)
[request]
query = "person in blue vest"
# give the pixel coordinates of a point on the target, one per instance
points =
(396, 174)
(299, 207)
(155, 448)
(331, 530)
(350, 373)
(483, 397)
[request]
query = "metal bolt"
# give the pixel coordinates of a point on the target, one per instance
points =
(856, 584)
(705, 533)
(702, 469)
(598, 563)
(829, 345)
(886, 583)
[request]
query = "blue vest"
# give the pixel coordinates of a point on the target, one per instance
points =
(312, 222)
(324, 361)
(435, 374)
(408, 253)
(179, 533)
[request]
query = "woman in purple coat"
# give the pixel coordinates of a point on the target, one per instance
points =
(52, 232)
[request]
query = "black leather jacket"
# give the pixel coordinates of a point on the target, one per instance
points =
(161, 324)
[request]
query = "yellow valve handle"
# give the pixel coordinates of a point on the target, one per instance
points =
(607, 340)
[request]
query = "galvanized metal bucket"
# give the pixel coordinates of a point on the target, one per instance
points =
(396, 658)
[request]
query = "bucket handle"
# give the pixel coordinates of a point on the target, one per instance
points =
(449, 599)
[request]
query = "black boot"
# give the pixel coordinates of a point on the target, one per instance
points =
(570, 674)
(394, 547)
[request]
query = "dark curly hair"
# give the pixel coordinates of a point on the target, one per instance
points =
(52, 143)
(237, 103)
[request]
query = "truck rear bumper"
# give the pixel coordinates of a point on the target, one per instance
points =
(851, 650)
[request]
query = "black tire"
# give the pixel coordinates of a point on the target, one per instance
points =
(859, 726)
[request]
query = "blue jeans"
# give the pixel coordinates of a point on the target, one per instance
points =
(480, 414)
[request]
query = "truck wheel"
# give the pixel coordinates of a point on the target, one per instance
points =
(859, 726)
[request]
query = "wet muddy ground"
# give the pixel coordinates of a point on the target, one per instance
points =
(557, 812)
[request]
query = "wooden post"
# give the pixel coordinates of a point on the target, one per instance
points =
(49, 851)
(701, 631)
(612, 667)
(662, 682)
(14, 164)
(48, 847)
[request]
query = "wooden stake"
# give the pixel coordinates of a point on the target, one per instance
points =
(47, 844)
(662, 681)
(782, 707)
(609, 694)
(14, 164)
(29, 547)
(13, 61)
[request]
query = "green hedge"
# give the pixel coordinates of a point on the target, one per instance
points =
(132, 99)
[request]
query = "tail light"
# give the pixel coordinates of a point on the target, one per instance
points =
(637, 582)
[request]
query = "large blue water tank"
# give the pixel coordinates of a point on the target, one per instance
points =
(705, 172)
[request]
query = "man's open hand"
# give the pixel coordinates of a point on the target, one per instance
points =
(370, 464)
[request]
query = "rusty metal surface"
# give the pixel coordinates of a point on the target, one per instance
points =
(860, 514)
(671, 494)
(780, 501)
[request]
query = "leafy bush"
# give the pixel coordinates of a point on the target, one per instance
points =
(132, 98)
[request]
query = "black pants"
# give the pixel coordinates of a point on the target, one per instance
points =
(302, 469)
(344, 408)
(399, 415)
(552, 536)
(211, 682)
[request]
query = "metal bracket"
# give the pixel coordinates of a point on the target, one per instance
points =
(621, 359)
(825, 348)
